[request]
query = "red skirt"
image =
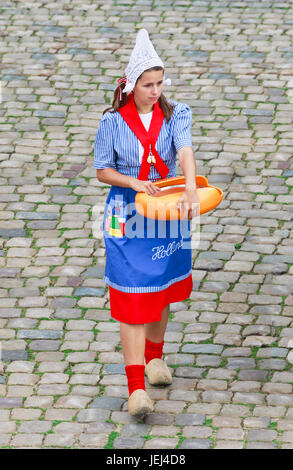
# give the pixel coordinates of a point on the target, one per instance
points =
(147, 307)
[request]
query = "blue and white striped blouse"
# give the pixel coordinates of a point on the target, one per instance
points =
(116, 146)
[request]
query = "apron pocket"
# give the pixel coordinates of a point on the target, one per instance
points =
(115, 217)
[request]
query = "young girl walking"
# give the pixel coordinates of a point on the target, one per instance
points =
(137, 143)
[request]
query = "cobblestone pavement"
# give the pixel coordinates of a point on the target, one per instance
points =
(62, 380)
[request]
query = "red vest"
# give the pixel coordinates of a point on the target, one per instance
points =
(148, 139)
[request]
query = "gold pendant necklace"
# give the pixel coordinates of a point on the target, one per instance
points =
(151, 158)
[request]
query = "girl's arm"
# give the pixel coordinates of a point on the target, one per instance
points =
(187, 163)
(189, 201)
(114, 178)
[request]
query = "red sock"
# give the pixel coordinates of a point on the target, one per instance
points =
(153, 350)
(135, 377)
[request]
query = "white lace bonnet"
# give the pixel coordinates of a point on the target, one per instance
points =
(143, 57)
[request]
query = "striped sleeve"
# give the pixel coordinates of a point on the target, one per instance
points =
(104, 144)
(182, 127)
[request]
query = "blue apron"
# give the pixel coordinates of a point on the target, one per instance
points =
(143, 255)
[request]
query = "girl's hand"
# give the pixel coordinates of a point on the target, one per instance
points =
(144, 186)
(188, 204)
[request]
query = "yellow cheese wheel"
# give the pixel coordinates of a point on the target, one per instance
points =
(163, 205)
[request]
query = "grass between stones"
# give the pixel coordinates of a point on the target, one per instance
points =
(181, 440)
(254, 351)
(113, 435)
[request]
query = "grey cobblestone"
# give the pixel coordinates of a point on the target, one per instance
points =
(130, 443)
(189, 419)
(196, 444)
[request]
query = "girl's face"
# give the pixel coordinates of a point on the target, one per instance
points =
(149, 87)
